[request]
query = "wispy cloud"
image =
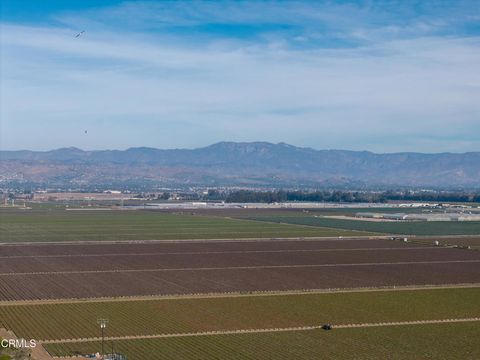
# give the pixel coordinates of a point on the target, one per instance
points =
(327, 76)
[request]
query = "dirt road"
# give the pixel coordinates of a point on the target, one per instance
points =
(249, 331)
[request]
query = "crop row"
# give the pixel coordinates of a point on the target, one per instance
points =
(142, 283)
(186, 246)
(458, 341)
(46, 226)
(230, 259)
(150, 317)
(85, 285)
(391, 227)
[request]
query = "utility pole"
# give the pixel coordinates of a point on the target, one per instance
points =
(103, 325)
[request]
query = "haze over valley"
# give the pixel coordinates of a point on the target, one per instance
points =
(254, 164)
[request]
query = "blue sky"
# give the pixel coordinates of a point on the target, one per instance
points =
(384, 76)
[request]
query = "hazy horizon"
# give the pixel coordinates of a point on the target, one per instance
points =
(236, 142)
(396, 77)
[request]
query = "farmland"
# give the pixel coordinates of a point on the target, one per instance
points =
(102, 225)
(145, 283)
(458, 341)
(406, 228)
(158, 274)
(170, 261)
(473, 242)
(112, 270)
(166, 247)
(323, 211)
(189, 315)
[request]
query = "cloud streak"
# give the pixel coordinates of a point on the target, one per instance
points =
(385, 86)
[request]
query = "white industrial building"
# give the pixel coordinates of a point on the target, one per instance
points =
(420, 217)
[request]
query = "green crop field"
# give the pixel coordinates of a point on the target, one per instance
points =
(438, 341)
(61, 225)
(147, 317)
(407, 228)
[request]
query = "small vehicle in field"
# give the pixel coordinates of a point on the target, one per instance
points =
(327, 327)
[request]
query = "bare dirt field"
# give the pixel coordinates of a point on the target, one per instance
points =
(111, 270)
(188, 270)
(213, 258)
(113, 284)
(461, 240)
(192, 246)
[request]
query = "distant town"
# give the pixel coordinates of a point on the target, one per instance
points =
(231, 195)
(409, 205)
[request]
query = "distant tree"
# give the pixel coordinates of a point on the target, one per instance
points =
(214, 194)
(164, 196)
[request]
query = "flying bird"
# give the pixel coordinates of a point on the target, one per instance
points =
(80, 33)
(86, 131)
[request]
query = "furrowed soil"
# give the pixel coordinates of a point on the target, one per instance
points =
(58, 226)
(177, 316)
(161, 282)
(230, 259)
(108, 270)
(428, 341)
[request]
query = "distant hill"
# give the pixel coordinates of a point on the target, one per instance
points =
(242, 164)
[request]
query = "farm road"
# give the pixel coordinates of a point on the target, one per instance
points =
(232, 332)
(214, 252)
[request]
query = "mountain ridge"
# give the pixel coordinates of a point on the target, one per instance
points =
(222, 143)
(242, 163)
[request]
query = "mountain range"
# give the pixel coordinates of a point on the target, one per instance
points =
(254, 164)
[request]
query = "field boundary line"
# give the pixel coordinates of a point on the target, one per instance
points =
(261, 330)
(221, 252)
(234, 294)
(80, 272)
(373, 233)
(246, 239)
(380, 236)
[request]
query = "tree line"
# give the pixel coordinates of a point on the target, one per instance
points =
(244, 196)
